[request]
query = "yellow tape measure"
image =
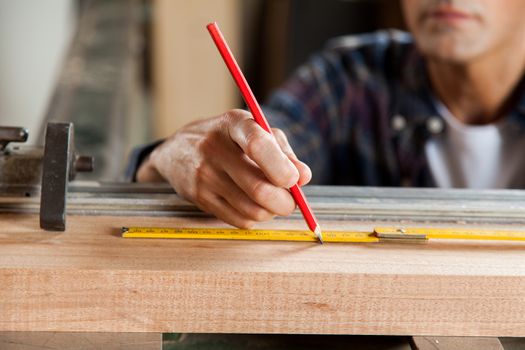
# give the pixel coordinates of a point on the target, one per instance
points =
(388, 234)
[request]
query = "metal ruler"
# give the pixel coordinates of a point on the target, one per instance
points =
(379, 234)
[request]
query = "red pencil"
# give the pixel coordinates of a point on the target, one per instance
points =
(258, 115)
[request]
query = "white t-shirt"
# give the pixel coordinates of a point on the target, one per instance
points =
(476, 156)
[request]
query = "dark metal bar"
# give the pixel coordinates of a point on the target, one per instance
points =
(58, 155)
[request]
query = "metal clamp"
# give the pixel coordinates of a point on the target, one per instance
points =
(11, 134)
(60, 164)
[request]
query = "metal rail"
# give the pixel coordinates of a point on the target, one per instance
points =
(329, 202)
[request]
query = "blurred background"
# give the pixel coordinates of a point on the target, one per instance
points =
(128, 72)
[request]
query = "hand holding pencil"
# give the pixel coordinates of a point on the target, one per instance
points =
(259, 117)
(229, 166)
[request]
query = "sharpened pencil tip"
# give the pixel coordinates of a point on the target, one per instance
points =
(319, 234)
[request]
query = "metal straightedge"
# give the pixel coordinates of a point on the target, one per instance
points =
(401, 207)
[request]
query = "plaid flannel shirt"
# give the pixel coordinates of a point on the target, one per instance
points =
(360, 112)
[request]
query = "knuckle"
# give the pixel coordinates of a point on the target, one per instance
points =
(202, 173)
(282, 140)
(209, 144)
(280, 181)
(205, 146)
(257, 142)
(289, 208)
(279, 135)
(263, 192)
(289, 177)
(261, 214)
(199, 194)
(285, 208)
(244, 224)
(233, 115)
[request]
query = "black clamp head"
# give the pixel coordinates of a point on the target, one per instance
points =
(60, 165)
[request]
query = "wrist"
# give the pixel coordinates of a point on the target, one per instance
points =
(148, 172)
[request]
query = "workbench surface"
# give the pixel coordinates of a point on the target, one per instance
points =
(90, 279)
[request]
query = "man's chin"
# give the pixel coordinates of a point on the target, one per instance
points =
(449, 51)
(448, 59)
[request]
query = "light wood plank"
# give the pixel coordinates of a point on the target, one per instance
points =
(79, 341)
(90, 279)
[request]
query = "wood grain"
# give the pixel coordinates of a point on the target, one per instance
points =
(79, 341)
(90, 279)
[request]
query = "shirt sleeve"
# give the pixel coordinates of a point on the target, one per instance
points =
(137, 156)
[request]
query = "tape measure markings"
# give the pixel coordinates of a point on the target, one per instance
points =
(252, 235)
(380, 234)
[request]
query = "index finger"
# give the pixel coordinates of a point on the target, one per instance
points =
(261, 147)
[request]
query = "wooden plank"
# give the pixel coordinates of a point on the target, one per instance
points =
(455, 343)
(79, 341)
(90, 279)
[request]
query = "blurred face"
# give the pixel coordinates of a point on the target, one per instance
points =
(461, 31)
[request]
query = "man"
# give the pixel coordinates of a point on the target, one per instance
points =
(375, 109)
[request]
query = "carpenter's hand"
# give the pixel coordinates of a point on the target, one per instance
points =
(230, 167)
